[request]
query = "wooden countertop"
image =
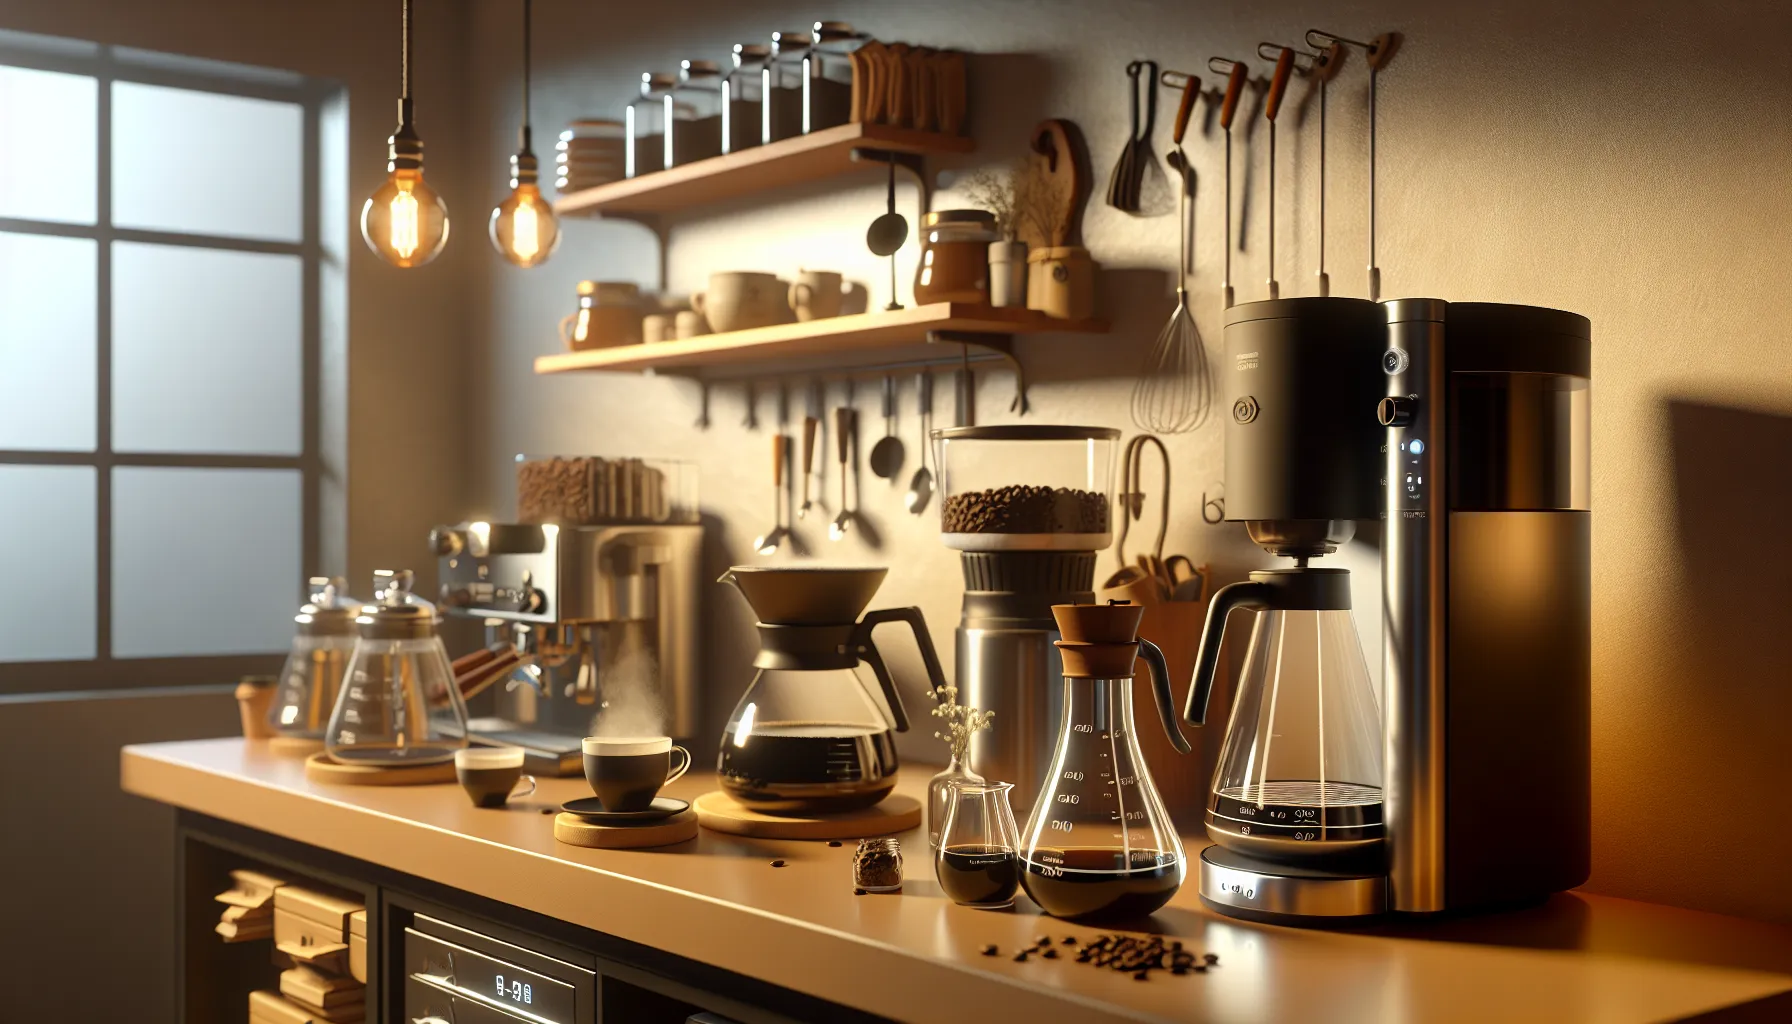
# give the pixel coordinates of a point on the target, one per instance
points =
(916, 956)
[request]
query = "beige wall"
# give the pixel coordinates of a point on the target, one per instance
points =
(1628, 163)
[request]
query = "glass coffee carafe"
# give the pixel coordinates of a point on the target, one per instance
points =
(399, 704)
(1299, 777)
(312, 676)
(810, 735)
(1100, 843)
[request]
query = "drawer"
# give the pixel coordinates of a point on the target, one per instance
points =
(426, 1003)
(487, 979)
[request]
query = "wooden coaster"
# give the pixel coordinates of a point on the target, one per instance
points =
(319, 768)
(576, 831)
(720, 812)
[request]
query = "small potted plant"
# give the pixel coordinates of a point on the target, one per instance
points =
(1001, 192)
(961, 724)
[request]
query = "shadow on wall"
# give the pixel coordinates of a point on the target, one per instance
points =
(1733, 483)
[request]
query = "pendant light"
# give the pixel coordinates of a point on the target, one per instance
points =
(523, 227)
(405, 221)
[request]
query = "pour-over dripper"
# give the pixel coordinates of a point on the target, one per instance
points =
(821, 596)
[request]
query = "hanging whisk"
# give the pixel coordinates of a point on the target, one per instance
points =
(1175, 390)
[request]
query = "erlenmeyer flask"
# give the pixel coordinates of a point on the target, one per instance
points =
(314, 669)
(1299, 777)
(399, 704)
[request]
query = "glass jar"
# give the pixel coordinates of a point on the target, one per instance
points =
(783, 85)
(744, 117)
(597, 490)
(1039, 488)
(647, 147)
(694, 110)
(323, 639)
(589, 153)
(827, 75)
(877, 865)
(954, 263)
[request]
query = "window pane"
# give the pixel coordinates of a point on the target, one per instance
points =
(49, 146)
(204, 163)
(205, 351)
(204, 561)
(48, 312)
(47, 515)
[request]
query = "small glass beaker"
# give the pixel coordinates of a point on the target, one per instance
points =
(978, 864)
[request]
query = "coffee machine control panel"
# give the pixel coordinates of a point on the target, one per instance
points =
(1408, 450)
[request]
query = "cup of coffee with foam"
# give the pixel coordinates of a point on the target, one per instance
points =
(492, 775)
(626, 772)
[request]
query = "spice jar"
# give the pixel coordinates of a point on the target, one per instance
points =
(744, 123)
(647, 147)
(693, 112)
(877, 865)
(955, 256)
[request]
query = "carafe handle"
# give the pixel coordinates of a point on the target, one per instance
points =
(1250, 594)
(867, 650)
(1160, 688)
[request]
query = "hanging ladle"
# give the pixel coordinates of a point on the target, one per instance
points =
(920, 486)
(886, 454)
(887, 234)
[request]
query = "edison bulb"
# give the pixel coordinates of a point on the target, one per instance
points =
(405, 221)
(523, 227)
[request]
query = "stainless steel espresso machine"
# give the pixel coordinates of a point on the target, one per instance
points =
(1464, 427)
(606, 617)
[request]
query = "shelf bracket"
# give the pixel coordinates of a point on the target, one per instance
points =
(914, 163)
(1001, 345)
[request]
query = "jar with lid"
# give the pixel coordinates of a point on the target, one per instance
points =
(399, 705)
(784, 85)
(744, 118)
(589, 153)
(609, 314)
(827, 75)
(647, 147)
(955, 256)
(323, 639)
(694, 110)
(1026, 487)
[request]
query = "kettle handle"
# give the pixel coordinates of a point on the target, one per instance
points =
(1250, 594)
(1160, 688)
(867, 650)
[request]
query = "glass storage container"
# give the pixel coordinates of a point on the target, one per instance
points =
(644, 126)
(305, 694)
(591, 490)
(784, 99)
(399, 704)
(954, 263)
(1040, 488)
(827, 75)
(745, 118)
(694, 110)
(589, 153)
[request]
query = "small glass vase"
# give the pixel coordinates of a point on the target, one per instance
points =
(939, 796)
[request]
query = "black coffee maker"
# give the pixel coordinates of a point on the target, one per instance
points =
(1464, 429)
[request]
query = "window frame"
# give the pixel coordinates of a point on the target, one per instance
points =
(109, 64)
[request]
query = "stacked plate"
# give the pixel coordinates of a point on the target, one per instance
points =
(589, 153)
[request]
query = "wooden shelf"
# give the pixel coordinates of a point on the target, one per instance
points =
(839, 343)
(821, 154)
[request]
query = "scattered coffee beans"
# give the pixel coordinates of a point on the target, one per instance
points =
(777, 863)
(991, 950)
(1021, 508)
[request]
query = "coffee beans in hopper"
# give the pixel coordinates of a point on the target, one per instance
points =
(1023, 508)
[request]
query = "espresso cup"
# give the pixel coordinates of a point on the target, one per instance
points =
(626, 772)
(491, 775)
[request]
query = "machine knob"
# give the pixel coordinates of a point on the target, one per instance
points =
(446, 541)
(1396, 411)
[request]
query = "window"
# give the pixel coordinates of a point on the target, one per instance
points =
(161, 279)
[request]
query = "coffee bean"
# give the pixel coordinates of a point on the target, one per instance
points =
(777, 863)
(858, 892)
(1050, 954)
(1020, 957)
(991, 950)
(834, 843)
(1069, 940)
(1211, 958)
(1142, 976)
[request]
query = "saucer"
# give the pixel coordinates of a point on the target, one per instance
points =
(592, 809)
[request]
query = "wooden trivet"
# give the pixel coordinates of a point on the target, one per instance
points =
(319, 768)
(720, 812)
(576, 831)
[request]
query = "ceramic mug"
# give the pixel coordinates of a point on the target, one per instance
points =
(690, 324)
(626, 772)
(739, 300)
(659, 327)
(491, 775)
(1061, 282)
(816, 294)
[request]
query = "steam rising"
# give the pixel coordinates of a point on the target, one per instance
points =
(628, 681)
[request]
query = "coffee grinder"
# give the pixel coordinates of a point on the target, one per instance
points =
(1465, 428)
(1027, 507)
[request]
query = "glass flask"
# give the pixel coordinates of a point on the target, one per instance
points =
(1100, 843)
(1299, 776)
(399, 704)
(978, 863)
(810, 735)
(312, 676)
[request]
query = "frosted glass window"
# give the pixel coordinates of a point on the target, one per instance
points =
(206, 353)
(48, 340)
(48, 519)
(204, 561)
(207, 164)
(49, 146)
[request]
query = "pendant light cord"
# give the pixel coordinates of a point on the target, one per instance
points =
(528, 23)
(405, 59)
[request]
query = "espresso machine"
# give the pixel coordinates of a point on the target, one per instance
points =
(605, 618)
(1464, 428)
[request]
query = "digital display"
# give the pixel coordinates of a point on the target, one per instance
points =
(518, 992)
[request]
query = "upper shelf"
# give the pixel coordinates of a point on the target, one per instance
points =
(839, 342)
(819, 154)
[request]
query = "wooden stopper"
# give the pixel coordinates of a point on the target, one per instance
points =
(1099, 623)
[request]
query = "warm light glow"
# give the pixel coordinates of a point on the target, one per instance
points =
(403, 211)
(523, 227)
(405, 221)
